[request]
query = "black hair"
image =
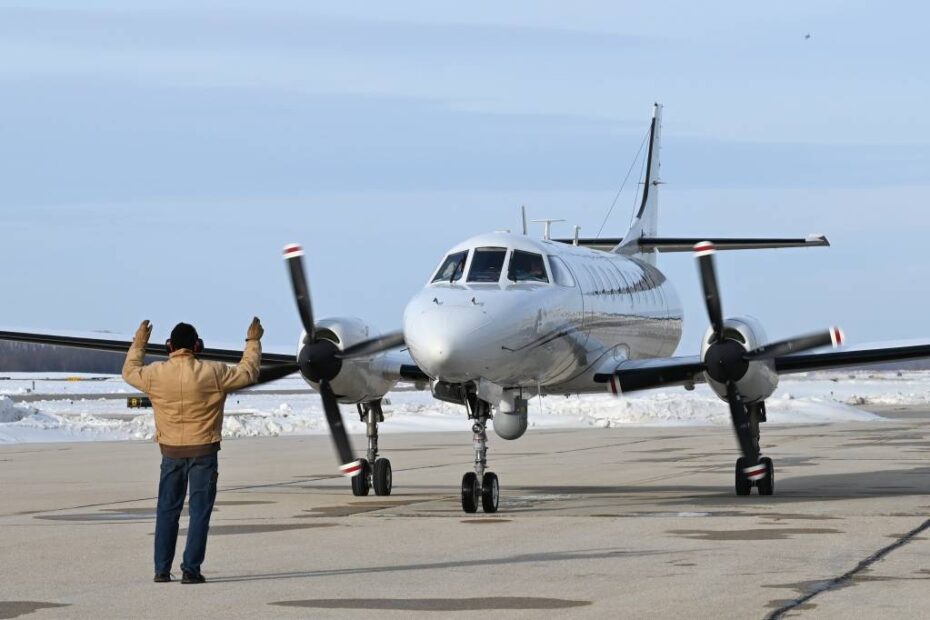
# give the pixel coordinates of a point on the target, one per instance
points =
(183, 336)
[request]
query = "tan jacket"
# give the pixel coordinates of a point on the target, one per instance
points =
(188, 395)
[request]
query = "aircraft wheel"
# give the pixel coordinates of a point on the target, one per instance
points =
(382, 477)
(360, 483)
(470, 492)
(490, 492)
(743, 484)
(767, 485)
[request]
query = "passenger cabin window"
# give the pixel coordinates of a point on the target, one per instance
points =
(487, 264)
(560, 273)
(527, 267)
(452, 268)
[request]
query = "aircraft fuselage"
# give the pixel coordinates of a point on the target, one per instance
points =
(596, 307)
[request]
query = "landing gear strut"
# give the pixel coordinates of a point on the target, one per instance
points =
(761, 474)
(376, 472)
(480, 486)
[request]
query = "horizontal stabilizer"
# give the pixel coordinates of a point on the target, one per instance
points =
(686, 244)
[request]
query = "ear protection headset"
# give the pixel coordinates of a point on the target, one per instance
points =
(198, 346)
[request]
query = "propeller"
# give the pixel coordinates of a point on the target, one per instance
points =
(727, 361)
(319, 361)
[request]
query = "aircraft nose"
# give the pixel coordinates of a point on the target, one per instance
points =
(444, 340)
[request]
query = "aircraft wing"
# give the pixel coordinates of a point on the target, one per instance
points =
(230, 356)
(273, 365)
(634, 375)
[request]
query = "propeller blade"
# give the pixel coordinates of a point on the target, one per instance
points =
(704, 252)
(293, 256)
(833, 336)
(349, 465)
(266, 374)
(752, 468)
(742, 425)
(373, 346)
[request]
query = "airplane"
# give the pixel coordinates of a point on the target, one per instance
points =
(505, 317)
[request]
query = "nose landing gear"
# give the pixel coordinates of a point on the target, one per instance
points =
(480, 486)
(376, 472)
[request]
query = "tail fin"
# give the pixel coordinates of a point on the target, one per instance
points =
(646, 221)
(642, 240)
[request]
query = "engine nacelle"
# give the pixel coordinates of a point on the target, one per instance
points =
(360, 379)
(511, 420)
(760, 379)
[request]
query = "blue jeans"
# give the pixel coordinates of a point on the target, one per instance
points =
(201, 473)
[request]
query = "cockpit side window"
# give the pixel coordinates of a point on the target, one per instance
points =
(452, 268)
(527, 267)
(487, 264)
(560, 273)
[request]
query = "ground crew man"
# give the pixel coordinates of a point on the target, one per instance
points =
(188, 396)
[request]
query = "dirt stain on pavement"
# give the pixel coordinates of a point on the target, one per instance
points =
(15, 609)
(491, 603)
(776, 516)
(356, 508)
(261, 528)
(107, 515)
(753, 534)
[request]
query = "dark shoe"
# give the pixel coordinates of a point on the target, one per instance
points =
(189, 577)
(162, 578)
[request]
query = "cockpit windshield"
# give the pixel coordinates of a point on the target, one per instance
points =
(487, 264)
(527, 267)
(452, 268)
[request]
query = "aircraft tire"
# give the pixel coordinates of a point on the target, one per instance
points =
(382, 477)
(490, 492)
(470, 492)
(360, 484)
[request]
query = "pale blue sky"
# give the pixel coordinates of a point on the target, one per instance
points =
(155, 156)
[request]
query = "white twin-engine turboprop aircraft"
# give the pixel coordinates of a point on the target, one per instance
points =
(505, 317)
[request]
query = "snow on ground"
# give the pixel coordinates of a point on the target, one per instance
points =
(801, 399)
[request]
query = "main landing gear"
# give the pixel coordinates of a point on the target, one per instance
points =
(376, 472)
(761, 473)
(480, 486)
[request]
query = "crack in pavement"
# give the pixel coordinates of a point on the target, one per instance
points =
(845, 578)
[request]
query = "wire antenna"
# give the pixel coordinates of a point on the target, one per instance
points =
(622, 185)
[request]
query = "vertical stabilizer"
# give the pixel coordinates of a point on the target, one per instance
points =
(645, 222)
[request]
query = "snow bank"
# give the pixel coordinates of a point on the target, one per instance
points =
(86, 416)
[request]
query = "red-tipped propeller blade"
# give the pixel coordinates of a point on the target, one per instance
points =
(704, 252)
(833, 336)
(373, 346)
(349, 466)
(742, 425)
(317, 360)
(293, 256)
(266, 374)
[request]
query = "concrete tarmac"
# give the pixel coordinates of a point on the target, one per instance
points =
(606, 523)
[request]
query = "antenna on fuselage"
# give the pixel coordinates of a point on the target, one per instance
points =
(577, 235)
(523, 210)
(547, 231)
